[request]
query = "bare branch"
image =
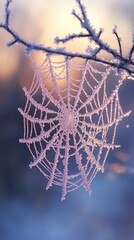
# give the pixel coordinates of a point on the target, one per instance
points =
(118, 62)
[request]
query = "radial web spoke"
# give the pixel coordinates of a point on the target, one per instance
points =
(90, 154)
(56, 159)
(43, 153)
(80, 166)
(65, 164)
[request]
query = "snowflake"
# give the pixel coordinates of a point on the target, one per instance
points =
(70, 121)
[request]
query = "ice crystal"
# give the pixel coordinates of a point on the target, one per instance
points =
(70, 121)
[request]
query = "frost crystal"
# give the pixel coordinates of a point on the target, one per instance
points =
(70, 121)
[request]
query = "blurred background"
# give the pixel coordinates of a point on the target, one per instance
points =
(27, 211)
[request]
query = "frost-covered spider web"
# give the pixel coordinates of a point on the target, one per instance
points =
(70, 121)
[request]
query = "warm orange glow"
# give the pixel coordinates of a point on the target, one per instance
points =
(117, 168)
(53, 18)
(8, 62)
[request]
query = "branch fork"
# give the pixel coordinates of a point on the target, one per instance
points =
(123, 63)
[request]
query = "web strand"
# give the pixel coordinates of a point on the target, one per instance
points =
(70, 130)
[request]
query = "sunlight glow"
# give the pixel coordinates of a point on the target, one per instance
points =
(52, 19)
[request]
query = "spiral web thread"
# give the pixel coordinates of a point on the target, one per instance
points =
(70, 129)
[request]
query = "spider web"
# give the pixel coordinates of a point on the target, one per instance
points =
(70, 121)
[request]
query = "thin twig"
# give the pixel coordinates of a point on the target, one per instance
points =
(131, 52)
(118, 40)
(71, 37)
